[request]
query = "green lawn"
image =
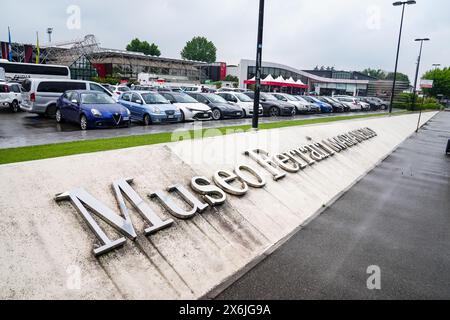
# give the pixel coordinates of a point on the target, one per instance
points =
(21, 154)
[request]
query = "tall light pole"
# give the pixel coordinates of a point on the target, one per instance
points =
(398, 3)
(258, 65)
(421, 40)
(49, 31)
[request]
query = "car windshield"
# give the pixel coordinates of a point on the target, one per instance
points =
(268, 97)
(154, 98)
(96, 98)
(184, 98)
(300, 99)
(215, 98)
(290, 98)
(309, 99)
(123, 89)
(242, 97)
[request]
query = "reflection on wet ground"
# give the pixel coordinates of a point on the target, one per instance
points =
(24, 129)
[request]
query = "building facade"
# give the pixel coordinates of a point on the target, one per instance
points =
(321, 82)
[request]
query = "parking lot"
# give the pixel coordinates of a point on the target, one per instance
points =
(26, 129)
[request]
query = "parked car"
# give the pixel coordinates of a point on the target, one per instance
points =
(375, 104)
(150, 107)
(351, 102)
(364, 105)
(299, 106)
(228, 89)
(143, 88)
(384, 104)
(108, 86)
(40, 95)
(324, 107)
(346, 107)
(118, 90)
(220, 107)
(90, 109)
(10, 96)
(190, 108)
(273, 107)
(312, 107)
(241, 100)
(337, 106)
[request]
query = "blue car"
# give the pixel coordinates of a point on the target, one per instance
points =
(91, 109)
(324, 107)
(150, 107)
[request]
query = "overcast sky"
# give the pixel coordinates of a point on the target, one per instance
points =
(346, 34)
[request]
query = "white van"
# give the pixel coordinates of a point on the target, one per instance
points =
(40, 95)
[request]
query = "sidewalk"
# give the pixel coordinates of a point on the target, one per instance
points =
(396, 218)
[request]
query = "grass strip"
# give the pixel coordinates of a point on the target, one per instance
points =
(30, 153)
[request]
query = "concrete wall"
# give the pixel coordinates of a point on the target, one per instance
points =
(45, 244)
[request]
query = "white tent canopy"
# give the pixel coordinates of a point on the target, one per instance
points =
(269, 78)
(280, 79)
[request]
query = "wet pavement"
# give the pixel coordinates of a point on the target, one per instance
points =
(397, 218)
(25, 129)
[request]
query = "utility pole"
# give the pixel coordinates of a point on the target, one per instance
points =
(258, 66)
(415, 80)
(398, 3)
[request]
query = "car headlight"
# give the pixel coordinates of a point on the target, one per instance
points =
(96, 113)
(156, 110)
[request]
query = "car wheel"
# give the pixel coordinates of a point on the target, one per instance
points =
(58, 116)
(274, 112)
(183, 117)
(15, 106)
(51, 111)
(216, 114)
(244, 114)
(147, 120)
(83, 122)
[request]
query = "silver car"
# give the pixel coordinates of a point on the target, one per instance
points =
(40, 95)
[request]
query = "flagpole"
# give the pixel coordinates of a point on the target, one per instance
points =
(10, 55)
(38, 51)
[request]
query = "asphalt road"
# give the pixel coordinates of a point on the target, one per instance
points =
(25, 129)
(396, 218)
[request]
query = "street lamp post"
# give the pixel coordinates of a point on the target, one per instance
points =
(258, 66)
(415, 80)
(398, 3)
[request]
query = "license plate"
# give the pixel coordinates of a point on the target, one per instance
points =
(126, 118)
(170, 117)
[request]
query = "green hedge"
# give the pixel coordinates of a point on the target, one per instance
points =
(405, 101)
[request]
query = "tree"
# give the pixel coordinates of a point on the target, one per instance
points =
(231, 78)
(441, 82)
(146, 48)
(400, 77)
(199, 49)
(376, 73)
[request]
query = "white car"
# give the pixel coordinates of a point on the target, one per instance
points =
(300, 107)
(350, 102)
(118, 90)
(242, 100)
(190, 108)
(10, 96)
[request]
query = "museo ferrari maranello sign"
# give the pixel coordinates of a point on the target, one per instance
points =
(203, 192)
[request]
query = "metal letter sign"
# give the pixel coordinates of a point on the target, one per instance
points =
(82, 199)
(236, 183)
